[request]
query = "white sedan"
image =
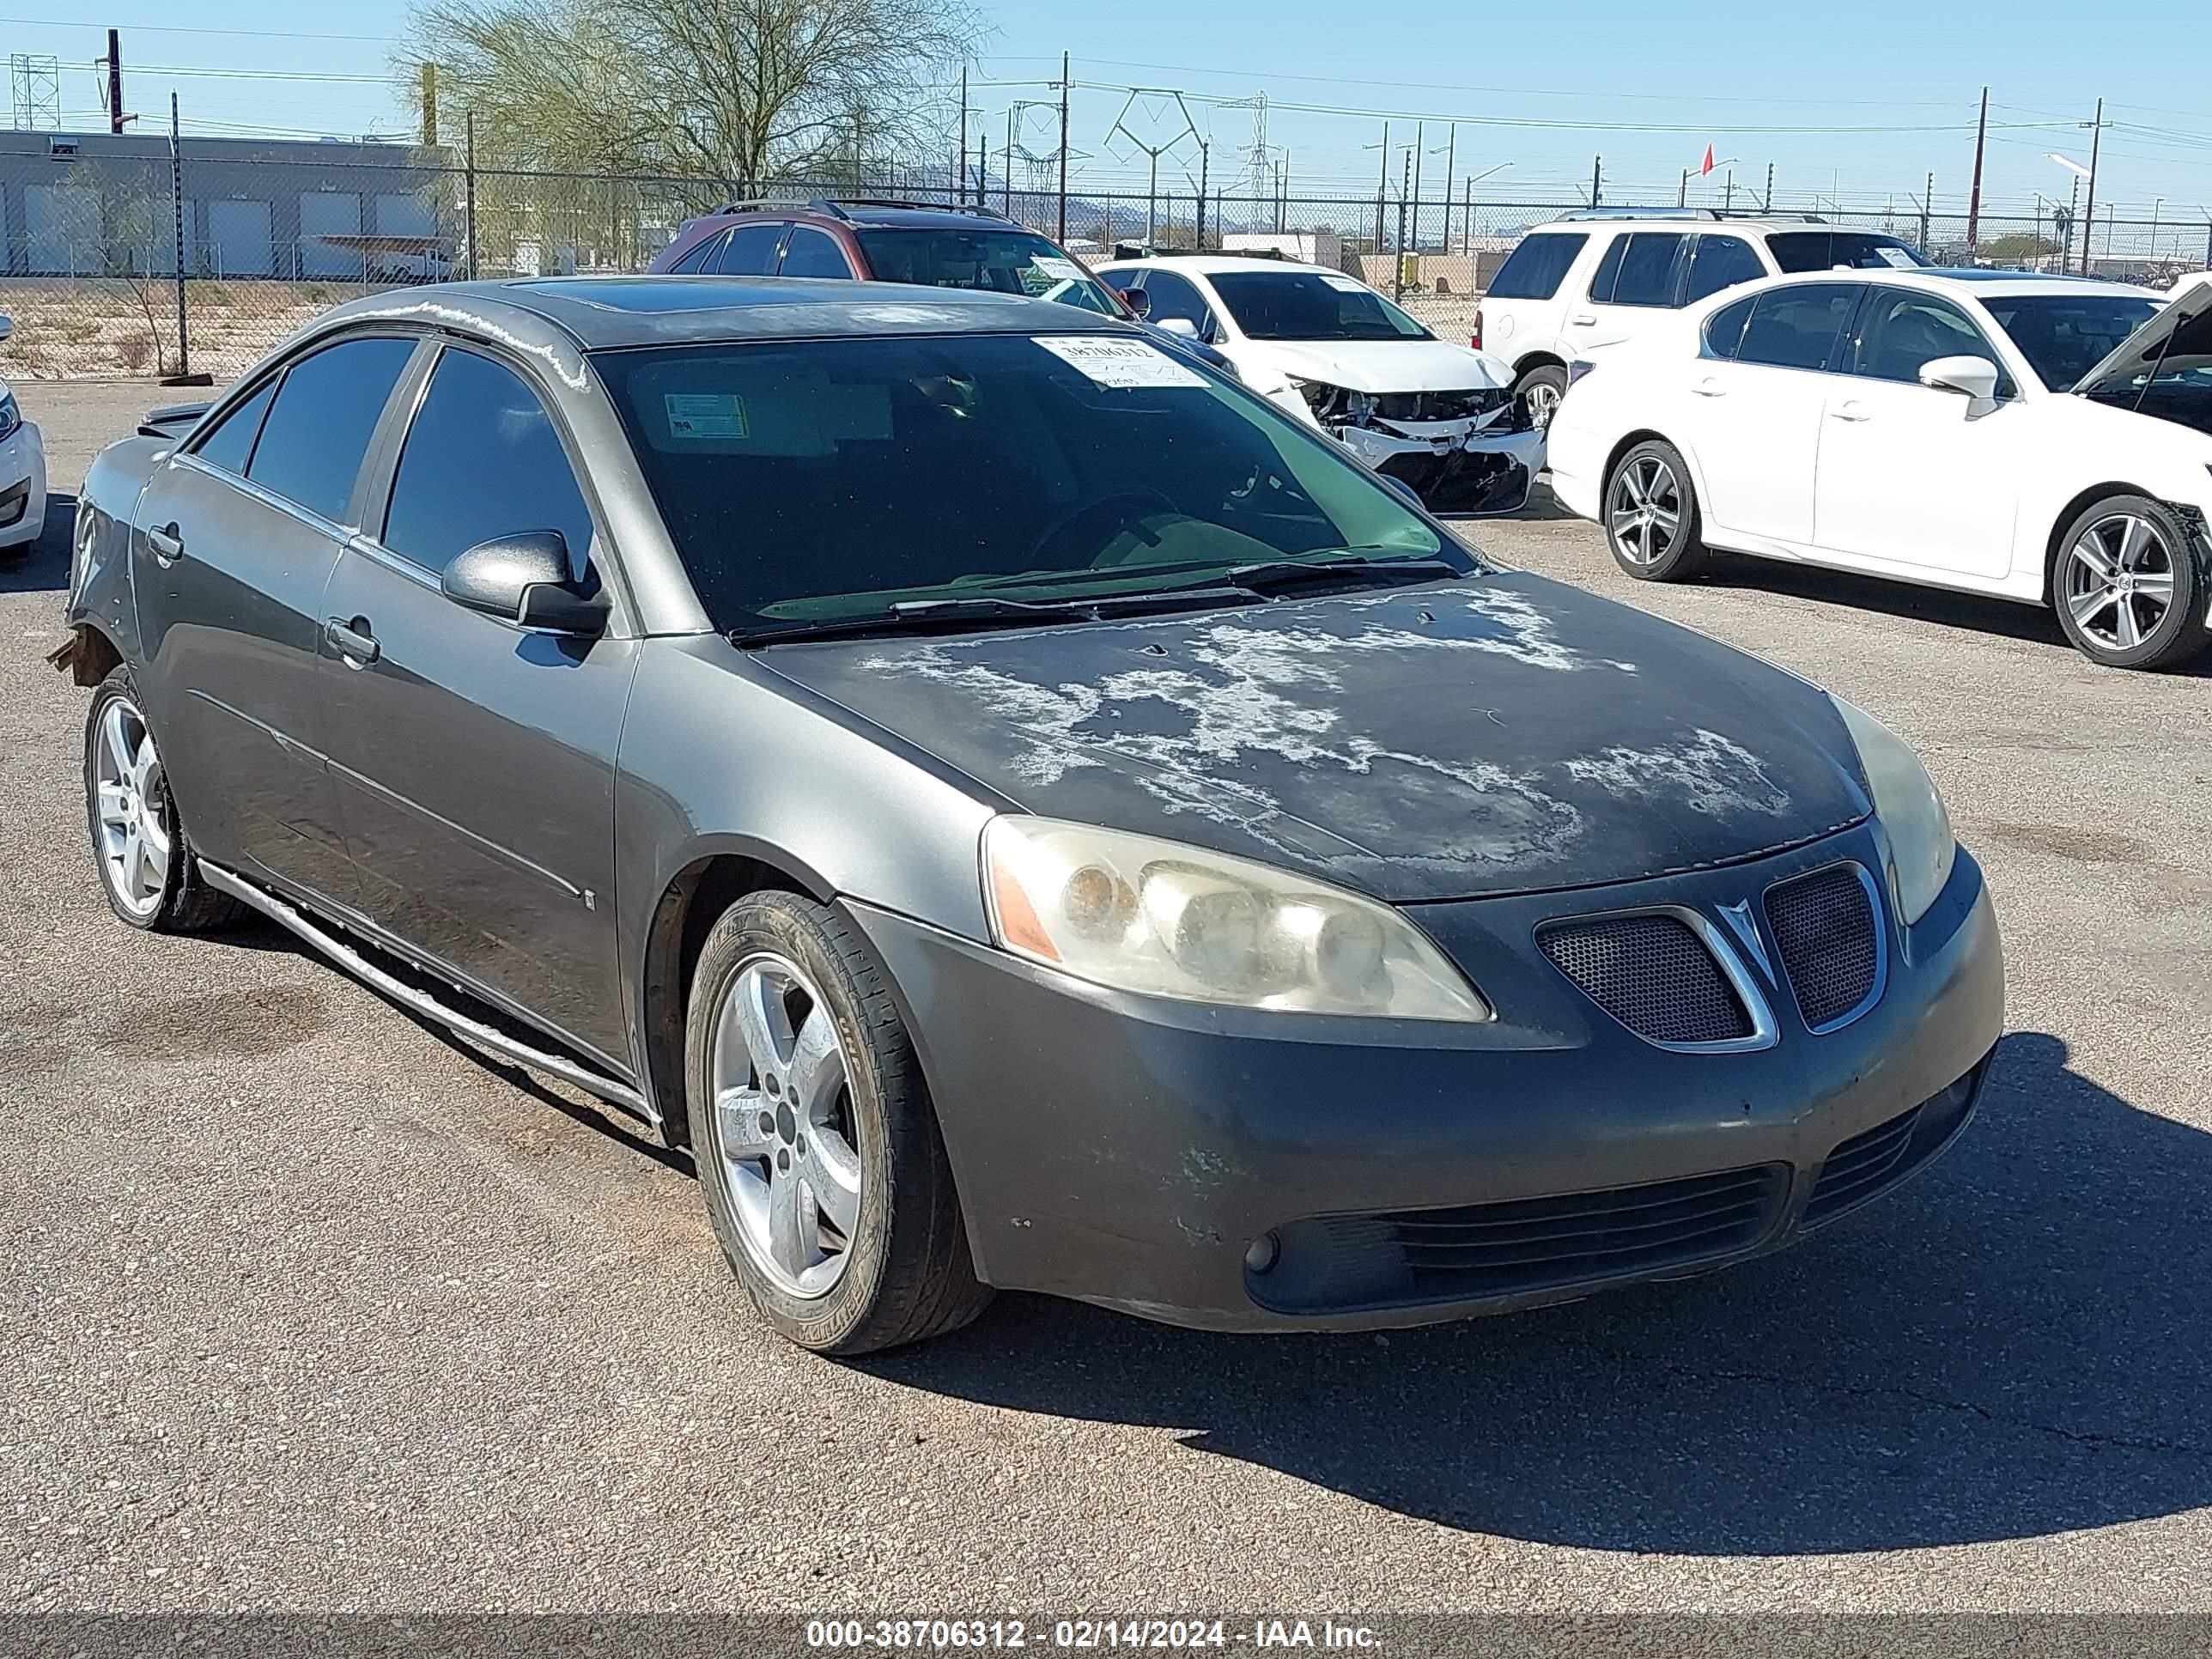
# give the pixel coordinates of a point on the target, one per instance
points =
(23, 474)
(2042, 439)
(1438, 418)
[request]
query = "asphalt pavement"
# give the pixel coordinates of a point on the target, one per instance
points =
(305, 1306)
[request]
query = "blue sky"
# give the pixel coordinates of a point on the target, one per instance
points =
(1878, 94)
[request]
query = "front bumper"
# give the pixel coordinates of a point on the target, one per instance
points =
(22, 487)
(1129, 1151)
(1453, 466)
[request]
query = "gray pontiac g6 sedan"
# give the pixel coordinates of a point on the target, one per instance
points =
(1022, 809)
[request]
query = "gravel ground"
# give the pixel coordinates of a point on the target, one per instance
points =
(305, 1307)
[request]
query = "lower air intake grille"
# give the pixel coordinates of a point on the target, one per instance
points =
(1653, 974)
(1861, 1166)
(1831, 945)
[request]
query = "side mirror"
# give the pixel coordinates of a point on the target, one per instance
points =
(525, 579)
(1976, 377)
(1138, 302)
(1180, 325)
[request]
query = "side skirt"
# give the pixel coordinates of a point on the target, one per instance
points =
(422, 1002)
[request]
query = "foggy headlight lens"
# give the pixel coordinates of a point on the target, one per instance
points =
(1922, 847)
(1155, 916)
(10, 417)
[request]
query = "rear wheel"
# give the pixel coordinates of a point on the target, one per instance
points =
(146, 866)
(818, 1146)
(1539, 391)
(1651, 515)
(2127, 587)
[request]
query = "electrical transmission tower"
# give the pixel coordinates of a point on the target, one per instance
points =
(36, 80)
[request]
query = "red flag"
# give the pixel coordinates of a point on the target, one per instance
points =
(1708, 166)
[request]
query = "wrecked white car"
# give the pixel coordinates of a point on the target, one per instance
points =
(1436, 417)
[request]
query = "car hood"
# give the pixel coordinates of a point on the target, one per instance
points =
(1382, 366)
(1500, 734)
(2188, 311)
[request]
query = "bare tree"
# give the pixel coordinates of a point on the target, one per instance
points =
(742, 90)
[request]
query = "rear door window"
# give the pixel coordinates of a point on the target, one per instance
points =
(1719, 262)
(699, 258)
(1724, 328)
(230, 444)
(1608, 272)
(1534, 270)
(319, 427)
(1799, 327)
(1647, 269)
(748, 251)
(812, 253)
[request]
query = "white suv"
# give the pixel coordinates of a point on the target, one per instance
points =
(1595, 277)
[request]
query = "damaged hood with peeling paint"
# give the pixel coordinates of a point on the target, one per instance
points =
(1500, 734)
(1379, 366)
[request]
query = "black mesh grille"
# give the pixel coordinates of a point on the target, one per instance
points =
(1653, 975)
(1491, 1250)
(1825, 926)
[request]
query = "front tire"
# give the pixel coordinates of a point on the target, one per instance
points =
(146, 864)
(2127, 587)
(1650, 512)
(817, 1148)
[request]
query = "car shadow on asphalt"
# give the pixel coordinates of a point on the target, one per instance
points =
(2013, 1345)
(46, 568)
(2036, 624)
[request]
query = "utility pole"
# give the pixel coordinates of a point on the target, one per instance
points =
(1767, 206)
(1451, 161)
(960, 172)
(470, 157)
(1398, 264)
(177, 207)
(2096, 143)
(1927, 204)
(1597, 178)
(1421, 135)
(1205, 151)
(1062, 237)
(1007, 184)
(116, 117)
(1728, 191)
(1382, 186)
(1974, 196)
(1467, 220)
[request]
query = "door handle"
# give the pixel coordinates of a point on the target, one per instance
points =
(1710, 388)
(1853, 410)
(353, 642)
(167, 543)
(1587, 320)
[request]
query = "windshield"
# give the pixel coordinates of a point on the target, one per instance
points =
(817, 481)
(1855, 250)
(1310, 305)
(2064, 335)
(1003, 261)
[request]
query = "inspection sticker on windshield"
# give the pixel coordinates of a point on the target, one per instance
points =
(1898, 256)
(1053, 265)
(1118, 363)
(705, 414)
(1343, 284)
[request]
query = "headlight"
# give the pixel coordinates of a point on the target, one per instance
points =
(10, 417)
(1166, 920)
(1921, 845)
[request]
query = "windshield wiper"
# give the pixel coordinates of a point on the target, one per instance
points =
(1282, 575)
(925, 616)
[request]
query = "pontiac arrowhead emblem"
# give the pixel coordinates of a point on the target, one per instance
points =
(1738, 917)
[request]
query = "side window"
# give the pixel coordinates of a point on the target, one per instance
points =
(481, 459)
(748, 251)
(1534, 270)
(1798, 327)
(1608, 272)
(1719, 262)
(699, 258)
(1120, 281)
(1724, 328)
(1173, 296)
(812, 253)
(229, 445)
(318, 427)
(1904, 330)
(1647, 269)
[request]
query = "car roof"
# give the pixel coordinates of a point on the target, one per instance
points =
(604, 312)
(1581, 221)
(1218, 265)
(872, 213)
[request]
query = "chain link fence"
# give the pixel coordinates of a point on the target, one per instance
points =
(124, 264)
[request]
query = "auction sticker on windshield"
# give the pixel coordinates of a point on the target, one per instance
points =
(1344, 284)
(705, 414)
(1053, 265)
(1118, 363)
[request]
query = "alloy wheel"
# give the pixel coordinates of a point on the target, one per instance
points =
(2119, 581)
(1646, 509)
(1541, 399)
(132, 809)
(784, 1115)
